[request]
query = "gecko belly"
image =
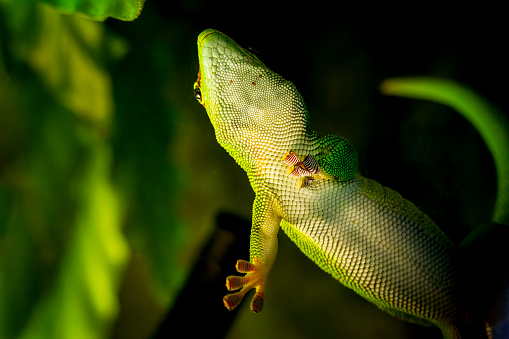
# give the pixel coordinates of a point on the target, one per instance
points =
(378, 244)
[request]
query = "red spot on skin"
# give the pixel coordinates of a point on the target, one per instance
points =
(254, 83)
(260, 76)
(231, 81)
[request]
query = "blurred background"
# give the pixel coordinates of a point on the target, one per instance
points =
(112, 183)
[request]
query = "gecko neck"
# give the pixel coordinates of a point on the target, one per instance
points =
(262, 160)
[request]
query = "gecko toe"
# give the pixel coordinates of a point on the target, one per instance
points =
(234, 282)
(231, 301)
(257, 302)
(306, 182)
(244, 266)
(290, 158)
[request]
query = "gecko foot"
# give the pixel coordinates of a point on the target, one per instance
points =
(255, 277)
(307, 167)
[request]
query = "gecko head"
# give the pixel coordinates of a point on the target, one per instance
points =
(245, 101)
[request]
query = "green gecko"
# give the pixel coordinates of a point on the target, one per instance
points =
(365, 235)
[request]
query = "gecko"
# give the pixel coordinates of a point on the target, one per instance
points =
(367, 236)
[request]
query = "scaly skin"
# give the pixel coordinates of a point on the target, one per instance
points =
(365, 235)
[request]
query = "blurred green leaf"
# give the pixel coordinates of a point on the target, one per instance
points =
(491, 124)
(100, 9)
(68, 55)
(82, 301)
(62, 252)
(77, 108)
(147, 170)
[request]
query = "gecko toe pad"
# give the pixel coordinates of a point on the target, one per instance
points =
(299, 171)
(234, 283)
(310, 164)
(231, 301)
(306, 182)
(290, 158)
(257, 302)
(306, 167)
(243, 266)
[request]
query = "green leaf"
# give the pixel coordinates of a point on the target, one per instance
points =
(126, 10)
(82, 301)
(62, 252)
(491, 124)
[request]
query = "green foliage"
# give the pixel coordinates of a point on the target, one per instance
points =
(491, 124)
(62, 252)
(100, 9)
(70, 184)
(82, 298)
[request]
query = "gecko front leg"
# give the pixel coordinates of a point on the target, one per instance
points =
(263, 252)
(338, 157)
(336, 160)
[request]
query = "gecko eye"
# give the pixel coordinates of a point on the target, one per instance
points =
(197, 92)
